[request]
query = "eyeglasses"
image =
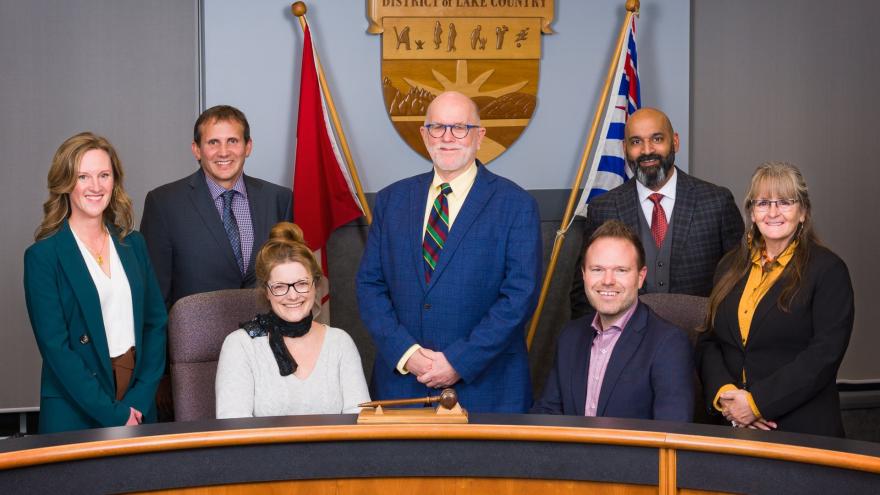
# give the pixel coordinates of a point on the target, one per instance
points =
(459, 131)
(282, 288)
(783, 205)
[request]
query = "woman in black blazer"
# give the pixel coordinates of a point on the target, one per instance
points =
(780, 316)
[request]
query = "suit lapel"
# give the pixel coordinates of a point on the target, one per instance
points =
(683, 212)
(200, 197)
(581, 368)
(259, 214)
(481, 191)
(80, 280)
(627, 345)
(418, 197)
(628, 205)
(727, 318)
(767, 303)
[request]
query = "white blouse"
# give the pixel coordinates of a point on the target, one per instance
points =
(115, 296)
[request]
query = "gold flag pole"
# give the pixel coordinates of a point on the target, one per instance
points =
(299, 10)
(632, 8)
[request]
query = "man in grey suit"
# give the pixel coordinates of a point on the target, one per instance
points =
(685, 224)
(203, 231)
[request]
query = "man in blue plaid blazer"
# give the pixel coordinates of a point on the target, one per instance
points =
(452, 316)
(703, 220)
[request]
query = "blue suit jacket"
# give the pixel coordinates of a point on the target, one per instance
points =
(650, 374)
(188, 244)
(78, 389)
(482, 292)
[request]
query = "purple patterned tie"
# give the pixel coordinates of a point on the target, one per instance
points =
(436, 231)
(231, 227)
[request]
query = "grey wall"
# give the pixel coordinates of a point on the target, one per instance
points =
(252, 60)
(796, 80)
(124, 69)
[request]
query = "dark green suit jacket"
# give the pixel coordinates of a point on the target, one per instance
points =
(77, 388)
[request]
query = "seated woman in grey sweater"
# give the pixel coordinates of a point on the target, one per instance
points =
(282, 362)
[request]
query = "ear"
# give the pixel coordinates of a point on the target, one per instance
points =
(675, 142)
(643, 273)
(196, 151)
(248, 147)
(481, 132)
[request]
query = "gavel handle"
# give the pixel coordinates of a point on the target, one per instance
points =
(400, 402)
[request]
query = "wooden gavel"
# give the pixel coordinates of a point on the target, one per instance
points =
(447, 399)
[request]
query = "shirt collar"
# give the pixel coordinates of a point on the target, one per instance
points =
(461, 184)
(216, 189)
(621, 322)
(668, 189)
(782, 259)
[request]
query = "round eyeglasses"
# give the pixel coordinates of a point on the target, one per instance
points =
(459, 131)
(783, 205)
(282, 288)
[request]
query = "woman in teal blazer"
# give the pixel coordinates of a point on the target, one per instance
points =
(81, 316)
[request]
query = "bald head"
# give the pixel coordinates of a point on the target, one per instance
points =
(457, 134)
(650, 145)
(453, 99)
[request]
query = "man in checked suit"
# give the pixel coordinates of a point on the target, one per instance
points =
(685, 224)
(449, 277)
(203, 231)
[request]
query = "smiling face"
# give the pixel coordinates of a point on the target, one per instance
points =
(777, 227)
(650, 145)
(93, 187)
(293, 306)
(222, 151)
(451, 156)
(612, 277)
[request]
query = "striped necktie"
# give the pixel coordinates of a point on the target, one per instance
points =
(436, 230)
(231, 227)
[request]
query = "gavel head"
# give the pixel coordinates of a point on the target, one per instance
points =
(448, 398)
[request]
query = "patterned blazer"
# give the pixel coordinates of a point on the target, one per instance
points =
(474, 309)
(706, 224)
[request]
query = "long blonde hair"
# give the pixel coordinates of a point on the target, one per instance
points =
(62, 179)
(786, 180)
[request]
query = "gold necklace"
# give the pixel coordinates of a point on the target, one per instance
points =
(99, 257)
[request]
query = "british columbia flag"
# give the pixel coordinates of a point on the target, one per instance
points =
(608, 168)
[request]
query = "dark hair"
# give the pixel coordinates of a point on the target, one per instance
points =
(221, 113)
(617, 230)
(786, 181)
(285, 245)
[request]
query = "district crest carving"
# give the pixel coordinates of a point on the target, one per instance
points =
(490, 50)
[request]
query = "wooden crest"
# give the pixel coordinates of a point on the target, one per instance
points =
(490, 50)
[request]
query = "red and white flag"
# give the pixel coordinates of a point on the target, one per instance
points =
(324, 197)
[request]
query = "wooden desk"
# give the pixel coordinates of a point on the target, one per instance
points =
(494, 454)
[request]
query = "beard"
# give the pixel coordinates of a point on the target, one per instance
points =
(652, 177)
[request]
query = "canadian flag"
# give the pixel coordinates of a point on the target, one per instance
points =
(324, 197)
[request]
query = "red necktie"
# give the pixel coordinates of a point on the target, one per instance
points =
(658, 219)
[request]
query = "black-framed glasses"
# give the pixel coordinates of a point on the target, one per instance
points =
(783, 205)
(459, 131)
(282, 288)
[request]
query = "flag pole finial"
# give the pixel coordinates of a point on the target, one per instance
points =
(631, 5)
(299, 8)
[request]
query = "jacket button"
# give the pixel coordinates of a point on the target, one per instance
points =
(84, 339)
(661, 284)
(427, 306)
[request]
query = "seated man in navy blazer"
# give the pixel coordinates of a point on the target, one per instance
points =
(623, 360)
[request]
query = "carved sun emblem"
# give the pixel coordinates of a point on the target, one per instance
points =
(463, 85)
